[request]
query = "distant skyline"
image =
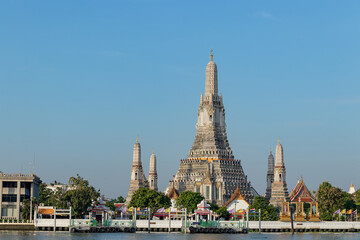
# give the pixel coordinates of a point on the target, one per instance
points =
(80, 80)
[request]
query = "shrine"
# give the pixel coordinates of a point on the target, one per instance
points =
(237, 204)
(300, 197)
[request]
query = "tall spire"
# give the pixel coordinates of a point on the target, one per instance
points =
(279, 154)
(270, 175)
(137, 152)
(211, 78)
(138, 179)
(153, 178)
(279, 190)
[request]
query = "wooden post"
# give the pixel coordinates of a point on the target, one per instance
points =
(169, 220)
(149, 219)
(70, 219)
(259, 220)
(54, 219)
(185, 220)
(247, 219)
(31, 208)
(292, 221)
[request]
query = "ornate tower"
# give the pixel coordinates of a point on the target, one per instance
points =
(138, 179)
(153, 178)
(210, 167)
(279, 191)
(270, 176)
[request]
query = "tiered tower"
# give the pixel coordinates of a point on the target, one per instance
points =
(270, 176)
(138, 179)
(153, 177)
(210, 167)
(279, 191)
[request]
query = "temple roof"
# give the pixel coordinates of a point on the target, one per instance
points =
(301, 193)
(236, 196)
(173, 194)
(203, 205)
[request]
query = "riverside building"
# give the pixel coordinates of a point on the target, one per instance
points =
(14, 188)
(210, 168)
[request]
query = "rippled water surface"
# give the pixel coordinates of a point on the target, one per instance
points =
(17, 235)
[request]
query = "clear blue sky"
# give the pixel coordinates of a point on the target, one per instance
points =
(79, 80)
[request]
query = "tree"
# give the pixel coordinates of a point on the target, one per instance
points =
(223, 213)
(111, 204)
(45, 194)
(189, 200)
(145, 197)
(213, 207)
(331, 199)
(268, 212)
(80, 195)
(25, 208)
(357, 197)
(120, 199)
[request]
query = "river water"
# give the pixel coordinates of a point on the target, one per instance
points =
(18, 235)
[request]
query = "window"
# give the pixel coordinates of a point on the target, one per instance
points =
(9, 197)
(152, 182)
(207, 192)
(198, 189)
(136, 176)
(8, 211)
(10, 184)
(22, 197)
(25, 184)
(217, 193)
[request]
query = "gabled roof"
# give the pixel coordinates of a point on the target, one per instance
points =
(173, 194)
(236, 196)
(203, 205)
(301, 193)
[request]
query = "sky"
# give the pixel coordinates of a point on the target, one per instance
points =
(80, 80)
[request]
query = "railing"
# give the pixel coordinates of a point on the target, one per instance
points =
(304, 225)
(13, 221)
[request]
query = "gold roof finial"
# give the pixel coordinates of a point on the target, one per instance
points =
(137, 138)
(279, 140)
(153, 151)
(211, 55)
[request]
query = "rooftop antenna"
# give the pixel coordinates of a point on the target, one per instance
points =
(33, 169)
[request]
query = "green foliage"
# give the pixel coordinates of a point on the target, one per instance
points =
(79, 197)
(111, 204)
(45, 195)
(268, 212)
(145, 197)
(223, 213)
(331, 199)
(120, 199)
(357, 199)
(189, 200)
(25, 208)
(213, 207)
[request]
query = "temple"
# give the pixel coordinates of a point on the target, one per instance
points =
(270, 176)
(279, 191)
(299, 196)
(153, 177)
(138, 179)
(210, 167)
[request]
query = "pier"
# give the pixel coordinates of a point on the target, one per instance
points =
(85, 225)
